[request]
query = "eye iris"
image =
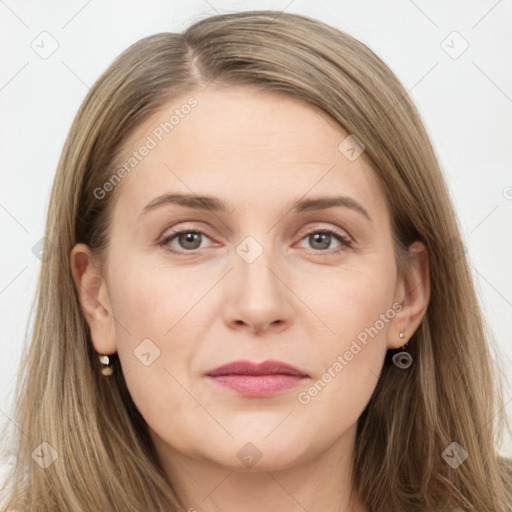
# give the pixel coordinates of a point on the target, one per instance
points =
(323, 238)
(190, 237)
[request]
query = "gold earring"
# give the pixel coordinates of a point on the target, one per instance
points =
(106, 364)
(402, 359)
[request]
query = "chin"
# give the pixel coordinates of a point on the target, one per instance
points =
(259, 455)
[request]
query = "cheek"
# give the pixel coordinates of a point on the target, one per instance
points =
(148, 300)
(353, 303)
(350, 360)
(155, 325)
(357, 310)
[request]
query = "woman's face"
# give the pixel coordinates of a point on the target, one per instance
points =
(255, 279)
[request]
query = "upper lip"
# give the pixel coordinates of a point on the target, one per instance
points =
(268, 367)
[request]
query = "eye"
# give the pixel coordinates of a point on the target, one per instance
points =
(321, 240)
(187, 239)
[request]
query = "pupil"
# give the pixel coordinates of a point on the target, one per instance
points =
(322, 238)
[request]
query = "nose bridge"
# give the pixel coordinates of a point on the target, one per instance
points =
(258, 295)
(254, 264)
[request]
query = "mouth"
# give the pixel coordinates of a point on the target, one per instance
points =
(257, 379)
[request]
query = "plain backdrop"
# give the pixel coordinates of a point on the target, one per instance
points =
(454, 59)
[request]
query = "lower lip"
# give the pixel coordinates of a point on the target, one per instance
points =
(258, 385)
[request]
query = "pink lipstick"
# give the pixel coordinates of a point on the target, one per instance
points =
(257, 379)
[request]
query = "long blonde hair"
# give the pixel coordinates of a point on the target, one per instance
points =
(105, 459)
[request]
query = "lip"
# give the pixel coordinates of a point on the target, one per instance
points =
(268, 367)
(257, 379)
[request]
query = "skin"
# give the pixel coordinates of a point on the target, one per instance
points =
(299, 302)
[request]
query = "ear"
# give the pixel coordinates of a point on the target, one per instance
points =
(413, 292)
(93, 296)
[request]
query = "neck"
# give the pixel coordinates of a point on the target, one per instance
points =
(322, 483)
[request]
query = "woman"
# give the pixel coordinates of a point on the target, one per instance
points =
(257, 298)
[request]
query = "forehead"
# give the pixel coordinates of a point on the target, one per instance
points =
(239, 140)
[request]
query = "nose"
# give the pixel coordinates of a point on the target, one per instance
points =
(257, 296)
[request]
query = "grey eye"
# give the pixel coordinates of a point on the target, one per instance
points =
(322, 239)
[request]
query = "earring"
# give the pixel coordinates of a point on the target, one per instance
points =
(403, 359)
(106, 364)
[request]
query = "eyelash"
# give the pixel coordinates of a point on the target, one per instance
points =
(346, 243)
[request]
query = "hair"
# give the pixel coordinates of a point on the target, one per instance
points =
(452, 393)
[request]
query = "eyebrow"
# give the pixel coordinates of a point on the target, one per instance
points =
(216, 205)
